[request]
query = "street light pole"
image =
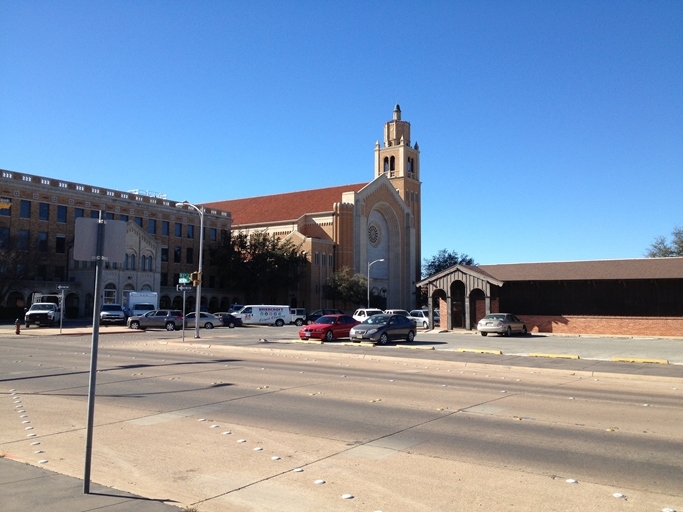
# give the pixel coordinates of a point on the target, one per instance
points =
(370, 265)
(200, 211)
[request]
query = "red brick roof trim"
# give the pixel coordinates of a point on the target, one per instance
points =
(643, 268)
(287, 207)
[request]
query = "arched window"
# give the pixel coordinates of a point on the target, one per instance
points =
(110, 293)
(150, 264)
(386, 164)
(392, 165)
(410, 165)
(125, 262)
(132, 261)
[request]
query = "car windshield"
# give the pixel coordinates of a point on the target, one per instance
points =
(377, 320)
(328, 320)
(111, 308)
(42, 307)
(495, 317)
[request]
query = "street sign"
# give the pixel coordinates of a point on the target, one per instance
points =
(184, 288)
(85, 240)
(184, 279)
(62, 286)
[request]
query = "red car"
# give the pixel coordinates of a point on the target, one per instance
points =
(328, 327)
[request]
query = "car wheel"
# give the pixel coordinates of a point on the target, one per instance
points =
(208, 325)
(383, 339)
(329, 336)
(411, 336)
(508, 332)
(279, 322)
(170, 326)
(424, 325)
(135, 325)
(231, 325)
(524, 331)
(484, 333)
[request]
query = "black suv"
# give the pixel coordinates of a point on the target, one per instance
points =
(170, 319)
(317, 314)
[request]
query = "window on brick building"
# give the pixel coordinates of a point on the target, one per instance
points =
(25, 209)
(4, 237)
(61, 214)
(42, 241)
(24, 238)
(44, 211)
(60, 244)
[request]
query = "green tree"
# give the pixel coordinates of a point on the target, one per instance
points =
(661, 248)
(443, 260)
(346, 287)
(258, 264)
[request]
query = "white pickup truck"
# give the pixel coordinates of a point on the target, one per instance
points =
(43, 313)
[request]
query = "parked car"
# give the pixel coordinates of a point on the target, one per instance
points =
(43, 313)
(328, 327)
(170, 319)
(235, 308)
(229, 320)
(206, 320)
(113, 314)
(501, 323)
(320, 312)
(298, 316)
(363, 314)
(421, 317)
(383, 328)
(397, 312)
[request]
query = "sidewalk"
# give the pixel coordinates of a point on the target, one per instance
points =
(24, 487)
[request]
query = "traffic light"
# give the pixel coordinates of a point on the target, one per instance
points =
(196, 278)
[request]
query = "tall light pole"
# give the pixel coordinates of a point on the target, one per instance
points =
(200, 211)
(370, 265)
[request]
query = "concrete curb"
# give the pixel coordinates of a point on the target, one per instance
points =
(556, 356)
(638, 360)
(480, 351)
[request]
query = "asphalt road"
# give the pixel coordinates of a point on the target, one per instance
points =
(396, 429)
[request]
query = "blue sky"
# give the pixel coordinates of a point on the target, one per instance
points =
(548, 130)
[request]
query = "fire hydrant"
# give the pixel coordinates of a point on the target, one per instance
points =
(17, 325)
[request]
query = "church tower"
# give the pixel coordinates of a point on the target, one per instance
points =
(400, 162)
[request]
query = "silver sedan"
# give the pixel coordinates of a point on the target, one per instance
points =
(501, 323)
(206, 320)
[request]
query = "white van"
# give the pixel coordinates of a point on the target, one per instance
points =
(264, 315)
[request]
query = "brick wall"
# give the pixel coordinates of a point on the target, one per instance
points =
(609, 325)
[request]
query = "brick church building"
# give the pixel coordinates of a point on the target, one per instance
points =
(351, 225)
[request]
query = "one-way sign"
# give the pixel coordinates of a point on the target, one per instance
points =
(184, 288)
